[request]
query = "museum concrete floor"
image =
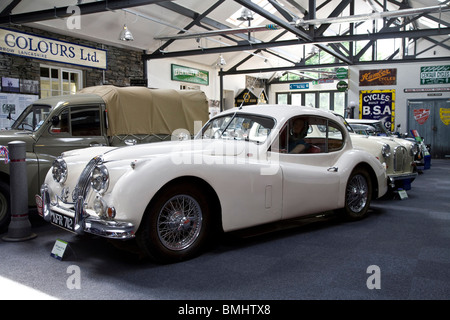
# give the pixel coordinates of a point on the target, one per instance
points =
(400, 252)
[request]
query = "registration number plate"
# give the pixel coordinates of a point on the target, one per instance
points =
(63, 221)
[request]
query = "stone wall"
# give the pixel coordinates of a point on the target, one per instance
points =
(122, 64)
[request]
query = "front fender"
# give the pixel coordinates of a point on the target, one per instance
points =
(136, 187)
(354, 158)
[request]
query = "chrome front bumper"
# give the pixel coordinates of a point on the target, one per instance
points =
(407, 176)
(75, 219)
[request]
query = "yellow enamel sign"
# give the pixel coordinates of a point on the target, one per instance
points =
(444, 114)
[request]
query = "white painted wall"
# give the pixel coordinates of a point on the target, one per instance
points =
(159, 76)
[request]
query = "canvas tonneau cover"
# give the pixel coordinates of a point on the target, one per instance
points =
(140, 110)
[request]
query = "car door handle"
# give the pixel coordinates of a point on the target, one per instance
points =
(95, 144)
(332, 169)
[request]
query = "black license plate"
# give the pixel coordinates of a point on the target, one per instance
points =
(63, 221)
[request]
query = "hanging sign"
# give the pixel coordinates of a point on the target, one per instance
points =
(378, 105)
(421, 115)
(435, 74)
(379, 77)
(444, 114)
(37, 47)
(342, 73)
(342, 86)
(297, 86)
(192, 75)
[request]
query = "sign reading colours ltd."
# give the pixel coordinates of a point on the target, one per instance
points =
(31, 46)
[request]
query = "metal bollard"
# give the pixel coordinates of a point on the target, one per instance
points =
(19, 228)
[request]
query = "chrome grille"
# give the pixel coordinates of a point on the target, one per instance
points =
(400, 158)
(83, 184)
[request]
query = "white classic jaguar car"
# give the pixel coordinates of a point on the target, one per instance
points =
(246, 167)
(397, 155)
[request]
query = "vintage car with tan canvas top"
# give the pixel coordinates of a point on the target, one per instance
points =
(96, 116)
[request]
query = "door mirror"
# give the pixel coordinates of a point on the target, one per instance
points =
(55, 120)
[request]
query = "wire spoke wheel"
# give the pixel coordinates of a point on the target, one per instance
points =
(357, 193)
(179, 222)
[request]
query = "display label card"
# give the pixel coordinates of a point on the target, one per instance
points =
(58, 249)
(402, 194)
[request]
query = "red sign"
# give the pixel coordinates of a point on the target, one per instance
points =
(421, 115)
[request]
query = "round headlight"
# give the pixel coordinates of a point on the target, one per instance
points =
(100, 179)
(414, 149)
(386, 150)
(59, 170)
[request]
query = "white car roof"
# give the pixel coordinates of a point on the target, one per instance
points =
(279, 112)
(363, 121)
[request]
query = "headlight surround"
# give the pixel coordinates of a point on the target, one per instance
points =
(59, 170)
(386, 150)
(414, 149)
(100, 179)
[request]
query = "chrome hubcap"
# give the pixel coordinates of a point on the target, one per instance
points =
(179, 222)
(357, 193)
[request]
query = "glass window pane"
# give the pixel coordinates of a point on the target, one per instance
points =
(45, 72)
(339, 102)
(310, 100)
(55, 73)
(85, 123)
(282, 98)
(324, 100)
(296, 99)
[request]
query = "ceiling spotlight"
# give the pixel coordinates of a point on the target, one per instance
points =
(125, 34)
(246, 15)
(221, 61)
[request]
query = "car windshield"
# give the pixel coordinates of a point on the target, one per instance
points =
(238, 127)
(344, 122)
(380, 129)
(32, 117)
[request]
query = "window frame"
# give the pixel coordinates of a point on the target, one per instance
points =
(283, 142)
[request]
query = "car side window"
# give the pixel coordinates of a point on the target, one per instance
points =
(305, 135)
(85, 122)
(78, 121)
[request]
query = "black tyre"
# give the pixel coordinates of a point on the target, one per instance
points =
(176, 225)
(358, 195)
(5, 207)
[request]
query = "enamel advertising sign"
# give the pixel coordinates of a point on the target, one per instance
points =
(421, 115)
(378, 77)
(444, 114)
(378, 105)
(31, 46)
(435, 75)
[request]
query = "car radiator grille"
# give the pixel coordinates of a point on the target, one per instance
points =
(400, 159)
(83, 184)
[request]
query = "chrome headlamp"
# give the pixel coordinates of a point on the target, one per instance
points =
(59, 170)
(414, 149)
(386, 150)
(100, 179)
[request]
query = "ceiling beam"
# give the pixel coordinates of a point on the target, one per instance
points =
(317, 40)
(205, 20)
(194, 22)
(330, 65)
(287, 26)
(9, 8)
(62, 12)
